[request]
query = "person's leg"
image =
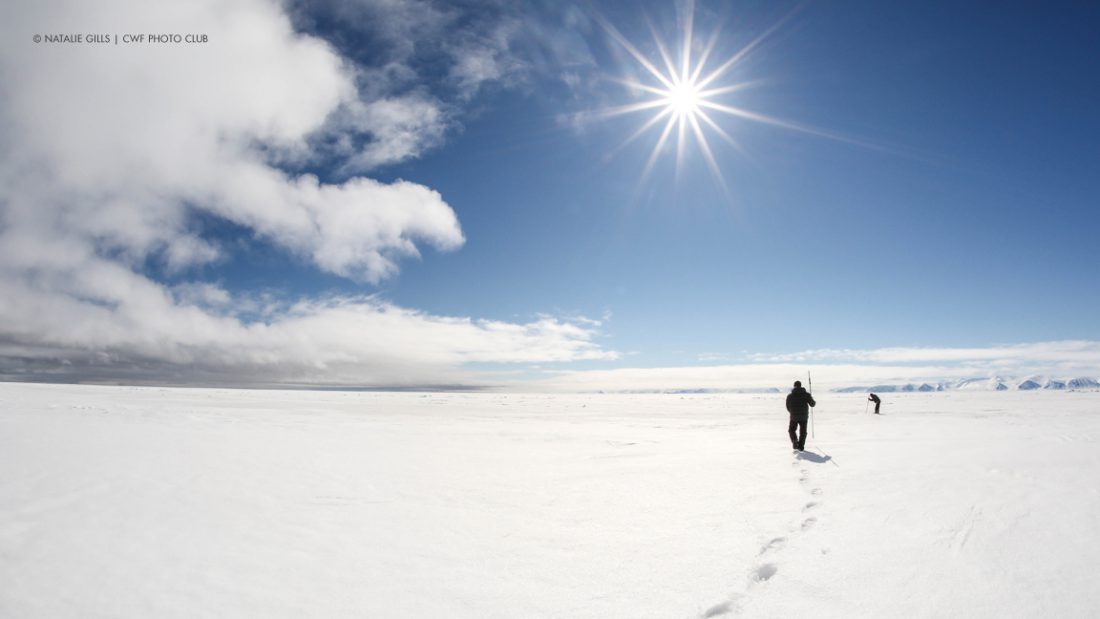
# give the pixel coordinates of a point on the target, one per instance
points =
(801, 432)
(790, 431)
(877, 404)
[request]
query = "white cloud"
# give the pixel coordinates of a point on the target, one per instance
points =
(399, 128)
(415, 64)
(485, 57)
(202, 294)
(396, 30)
(115, 144)
(1020, 356)
(109, 151)
(105, 320)
(420, 64)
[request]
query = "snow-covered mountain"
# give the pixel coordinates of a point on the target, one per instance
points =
(995, 383)
(906, 388)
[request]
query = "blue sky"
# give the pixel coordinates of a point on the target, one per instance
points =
(976, 229)
(941, 195)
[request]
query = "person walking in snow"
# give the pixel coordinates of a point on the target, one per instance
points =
(874, 398)
(799, 402)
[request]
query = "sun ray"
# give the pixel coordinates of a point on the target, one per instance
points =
(662, 50)
(660, 144)
(712, 163)
(745, 51)
(725, 90)
(785, 124)
(631, 108)
(680, 134)
(644, 87)
(721, 132)
(633, 51)
(641, 130)
(685, 54)
(705, 56)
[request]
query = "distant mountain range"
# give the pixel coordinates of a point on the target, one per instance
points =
(997, 383)
(1030, 383)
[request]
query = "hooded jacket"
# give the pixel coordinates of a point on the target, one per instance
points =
(799, 401)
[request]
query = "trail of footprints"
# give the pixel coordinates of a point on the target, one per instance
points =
(766, 568)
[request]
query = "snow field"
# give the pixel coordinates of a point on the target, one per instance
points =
(137, 502)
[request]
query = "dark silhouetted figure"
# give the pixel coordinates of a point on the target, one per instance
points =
(799, 402)
(878, 402)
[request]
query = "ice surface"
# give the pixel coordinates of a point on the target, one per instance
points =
(144, 502)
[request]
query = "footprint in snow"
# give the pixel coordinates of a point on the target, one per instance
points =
(764, 572)
(807, 523)
(719, 609)
(810, 505)
(776, 544)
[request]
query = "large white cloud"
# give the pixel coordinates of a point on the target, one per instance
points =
(116, 143)
(108, 151)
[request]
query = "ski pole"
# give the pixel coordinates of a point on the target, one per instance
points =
(810, 382)
(867, 408)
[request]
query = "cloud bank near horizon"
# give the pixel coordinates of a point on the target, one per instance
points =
(1065, 355)
(848, 368)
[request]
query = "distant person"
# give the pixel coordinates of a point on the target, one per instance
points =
(878, 402)
(799, 402)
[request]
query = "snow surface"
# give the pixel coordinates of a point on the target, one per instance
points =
(146, 502)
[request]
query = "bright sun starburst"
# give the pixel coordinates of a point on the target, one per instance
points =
(684, 94)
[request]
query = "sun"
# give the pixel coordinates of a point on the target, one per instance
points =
(683, 99)
(686, 96)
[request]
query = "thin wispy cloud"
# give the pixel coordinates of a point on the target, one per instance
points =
(416, 66)
(1012, 355)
